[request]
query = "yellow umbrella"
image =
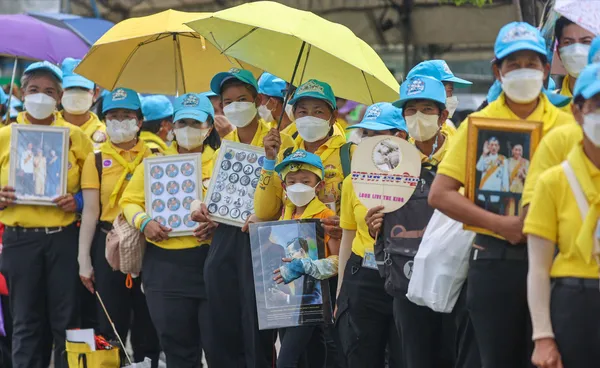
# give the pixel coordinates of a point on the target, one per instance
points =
(156, 54)
(297, 46)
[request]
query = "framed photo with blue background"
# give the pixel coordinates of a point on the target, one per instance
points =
(38, 163)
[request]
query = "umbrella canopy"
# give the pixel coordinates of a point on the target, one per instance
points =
(88, 29)
(25, 37)
(586, 13)
(297, 45)
(156, 54)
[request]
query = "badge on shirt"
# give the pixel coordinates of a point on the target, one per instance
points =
(99, 137)
(107, 163)
(369, 260)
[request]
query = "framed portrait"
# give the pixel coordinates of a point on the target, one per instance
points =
(304, 301)
(230, 195)
(171, 184)
(39, 159)
(498, 156)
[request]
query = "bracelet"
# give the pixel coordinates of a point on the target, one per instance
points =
(269, 165)
(144, 223)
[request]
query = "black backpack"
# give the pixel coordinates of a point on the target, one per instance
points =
(401, 236)
(344, 157)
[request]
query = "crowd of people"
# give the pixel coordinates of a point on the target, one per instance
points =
(532, 287)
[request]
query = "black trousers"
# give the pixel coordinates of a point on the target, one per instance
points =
(127, 307)
(467, 352)
(335, 355)
(175, 291)
(428, 337)
(576, 323)
(236, 340)
(42, 274)
(497, 303)
(307, 342)
(365, 321)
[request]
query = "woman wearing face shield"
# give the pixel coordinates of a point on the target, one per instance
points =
(40, 242)
(496, 282)
(173, 268)
(78, 97)
(364, 316)
(103, 180)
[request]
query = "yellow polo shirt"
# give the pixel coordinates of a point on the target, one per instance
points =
(352, 217)
(133, 202)
(448, 131)
(111, 172)
(94, 128)
(157, 144)
(554, 215)
(44, 216)
(566, 91)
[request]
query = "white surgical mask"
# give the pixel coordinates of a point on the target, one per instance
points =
(591, 127)
(289, 110)
(523, 85)
(190, 138)
(240, 114)
(39, 105)
(422, 126)
(300, 194)
(574, 58)
(77, 101)
(451, 105)
(265, 113)
(121, 131)
(170, 136)
(312, 129)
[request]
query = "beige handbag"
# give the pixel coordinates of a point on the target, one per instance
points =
(125, 246)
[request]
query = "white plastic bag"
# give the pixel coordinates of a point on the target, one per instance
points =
(441, 264)
(147, 363)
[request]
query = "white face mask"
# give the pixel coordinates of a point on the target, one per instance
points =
(574, 57)
(77, 101)
(312, 129)
(422, 126)
(591, 127)
(265, 113)
(240, 114)
(39, 105)
(289, 110)
(300, 194)
(170, 136)
(121, 131)
(190, 138)
(523, 85)
(451, 105)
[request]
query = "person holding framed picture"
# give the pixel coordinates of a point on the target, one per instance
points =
(496, 282)
(39, 257)
(173, 267)
(104, 178)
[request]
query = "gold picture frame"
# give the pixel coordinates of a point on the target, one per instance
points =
(498, 155)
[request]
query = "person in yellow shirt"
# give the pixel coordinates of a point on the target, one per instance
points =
(364, 317)
(303, 172)
(563, 286)
(40, 242)
(104, 178)
(157, 130)
(173, 267)
(77, 100)
(499, 313)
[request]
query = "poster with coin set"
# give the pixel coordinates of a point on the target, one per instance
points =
(172, 183)
(230, 196)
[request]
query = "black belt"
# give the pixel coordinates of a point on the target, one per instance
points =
(105, 226)
(577, 282)
(37, 230)
(491, 248)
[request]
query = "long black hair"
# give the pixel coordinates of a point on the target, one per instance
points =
(213, 140)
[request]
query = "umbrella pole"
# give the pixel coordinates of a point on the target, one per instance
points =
(176, 64)
(289, 91)
(12, 83)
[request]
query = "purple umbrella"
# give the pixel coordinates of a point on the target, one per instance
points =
(26, 37)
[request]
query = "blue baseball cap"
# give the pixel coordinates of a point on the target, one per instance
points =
(301, 160)
(156, 107)
(421, 88)
(555, 99)
(45, 65)
(315, 89)
(382, 116)
(439, 70)
(270, 85)
(517, 36)
(240, 74)
(72, 79)
(3, 97)
(588, 82)
(209, 94)
(594, 55)
(193, 106)
(121, 98)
